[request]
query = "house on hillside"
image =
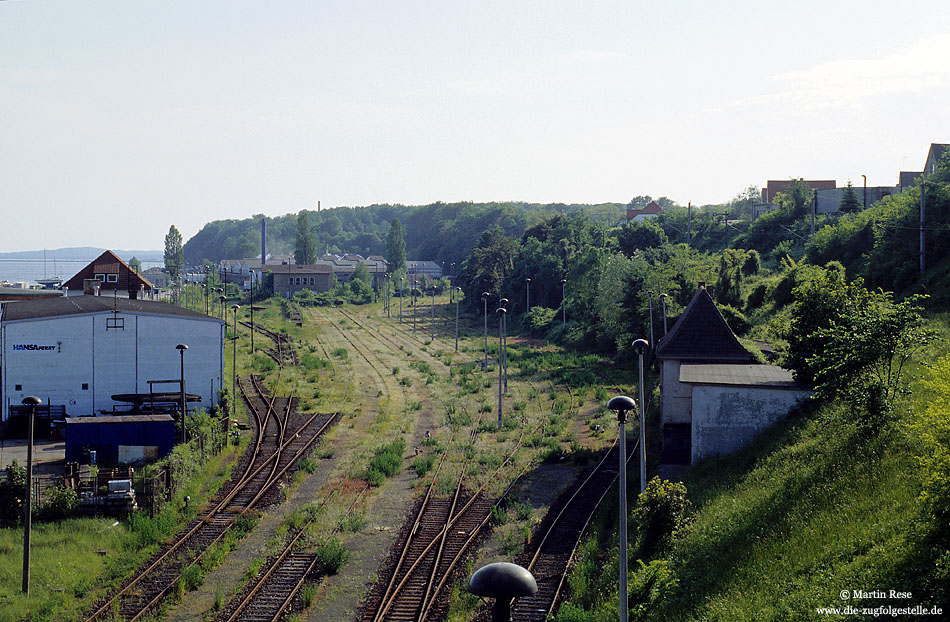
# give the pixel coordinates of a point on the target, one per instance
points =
(107, 275)
(650, 210)
(714, 397)
(933, 157)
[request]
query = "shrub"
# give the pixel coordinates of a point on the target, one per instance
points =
(341, 353)
(61, 503)
(385, 462)
(311, 361)
(661, 514)
(422, 465)
(331, 555)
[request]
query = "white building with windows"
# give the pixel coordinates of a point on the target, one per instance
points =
(79, 351)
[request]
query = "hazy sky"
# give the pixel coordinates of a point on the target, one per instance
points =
(120, 118)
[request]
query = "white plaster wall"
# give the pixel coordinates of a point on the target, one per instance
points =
(109, 361)
(727, 418)
(675, 396)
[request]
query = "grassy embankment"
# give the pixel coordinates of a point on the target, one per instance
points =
(812, 509)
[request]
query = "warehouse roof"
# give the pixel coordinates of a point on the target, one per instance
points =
(744, 375)
(121, 419)
(82, 305)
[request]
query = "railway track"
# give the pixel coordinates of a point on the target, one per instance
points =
(272, 594)
(558, 537)
(275, 451)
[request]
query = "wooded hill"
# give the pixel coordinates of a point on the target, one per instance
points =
(442, 232)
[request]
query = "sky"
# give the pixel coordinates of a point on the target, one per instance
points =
(119, 119)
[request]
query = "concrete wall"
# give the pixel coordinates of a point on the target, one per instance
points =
(725, 418)
(54, 357)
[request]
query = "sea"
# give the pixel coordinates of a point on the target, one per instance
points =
(30, 270)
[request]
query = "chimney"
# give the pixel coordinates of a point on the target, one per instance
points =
(263, 242)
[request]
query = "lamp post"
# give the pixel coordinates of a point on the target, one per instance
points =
(234, 308)
(401, 287)
(181, 347)
(641, 345)
(504, 340)
(458, 296)
(252, 311)
(502, 581)
(663, 298)
(527, 294)
(386, 293)
(485, 303)
(865, 177)
(412, 292)
(650, 297)
(622, 404)
(432, 316)
(563, 307)
(32, 401)
(501, 323)
(222, 300)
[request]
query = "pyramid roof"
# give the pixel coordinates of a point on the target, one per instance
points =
(701, 334)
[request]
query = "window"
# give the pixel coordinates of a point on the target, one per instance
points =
(18, 387)
(117, 323)
(85, 386)
(101, 277)
(112, 278)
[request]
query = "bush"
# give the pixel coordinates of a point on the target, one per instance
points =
(61, 503)
(12, 493)
(422, 465)
(734, 318)
(331, 555)
(311, 361)
(660, 514)
(385, 462)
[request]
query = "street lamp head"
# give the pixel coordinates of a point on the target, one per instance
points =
(640, 345)
(501, 311)
(31, 400)
(485, 295)
(621, 404)
(235, 307)
(504, 303)
(182, 347)
(528, 279)
(563, 281)
(662, 296)
(458, 289)
(649, 292)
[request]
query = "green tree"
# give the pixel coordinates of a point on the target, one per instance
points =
(866, 352)
(849, 202)
(305, 250)
(486, 267)
(135, 264)
(174, 257)
(395, 247)
(640, 235)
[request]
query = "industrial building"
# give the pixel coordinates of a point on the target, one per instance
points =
(84, 352)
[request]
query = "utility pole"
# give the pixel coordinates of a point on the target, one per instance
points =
(923, 207)
(814, 208)
(689, 221)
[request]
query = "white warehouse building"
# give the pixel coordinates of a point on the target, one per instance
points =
(79, 351)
